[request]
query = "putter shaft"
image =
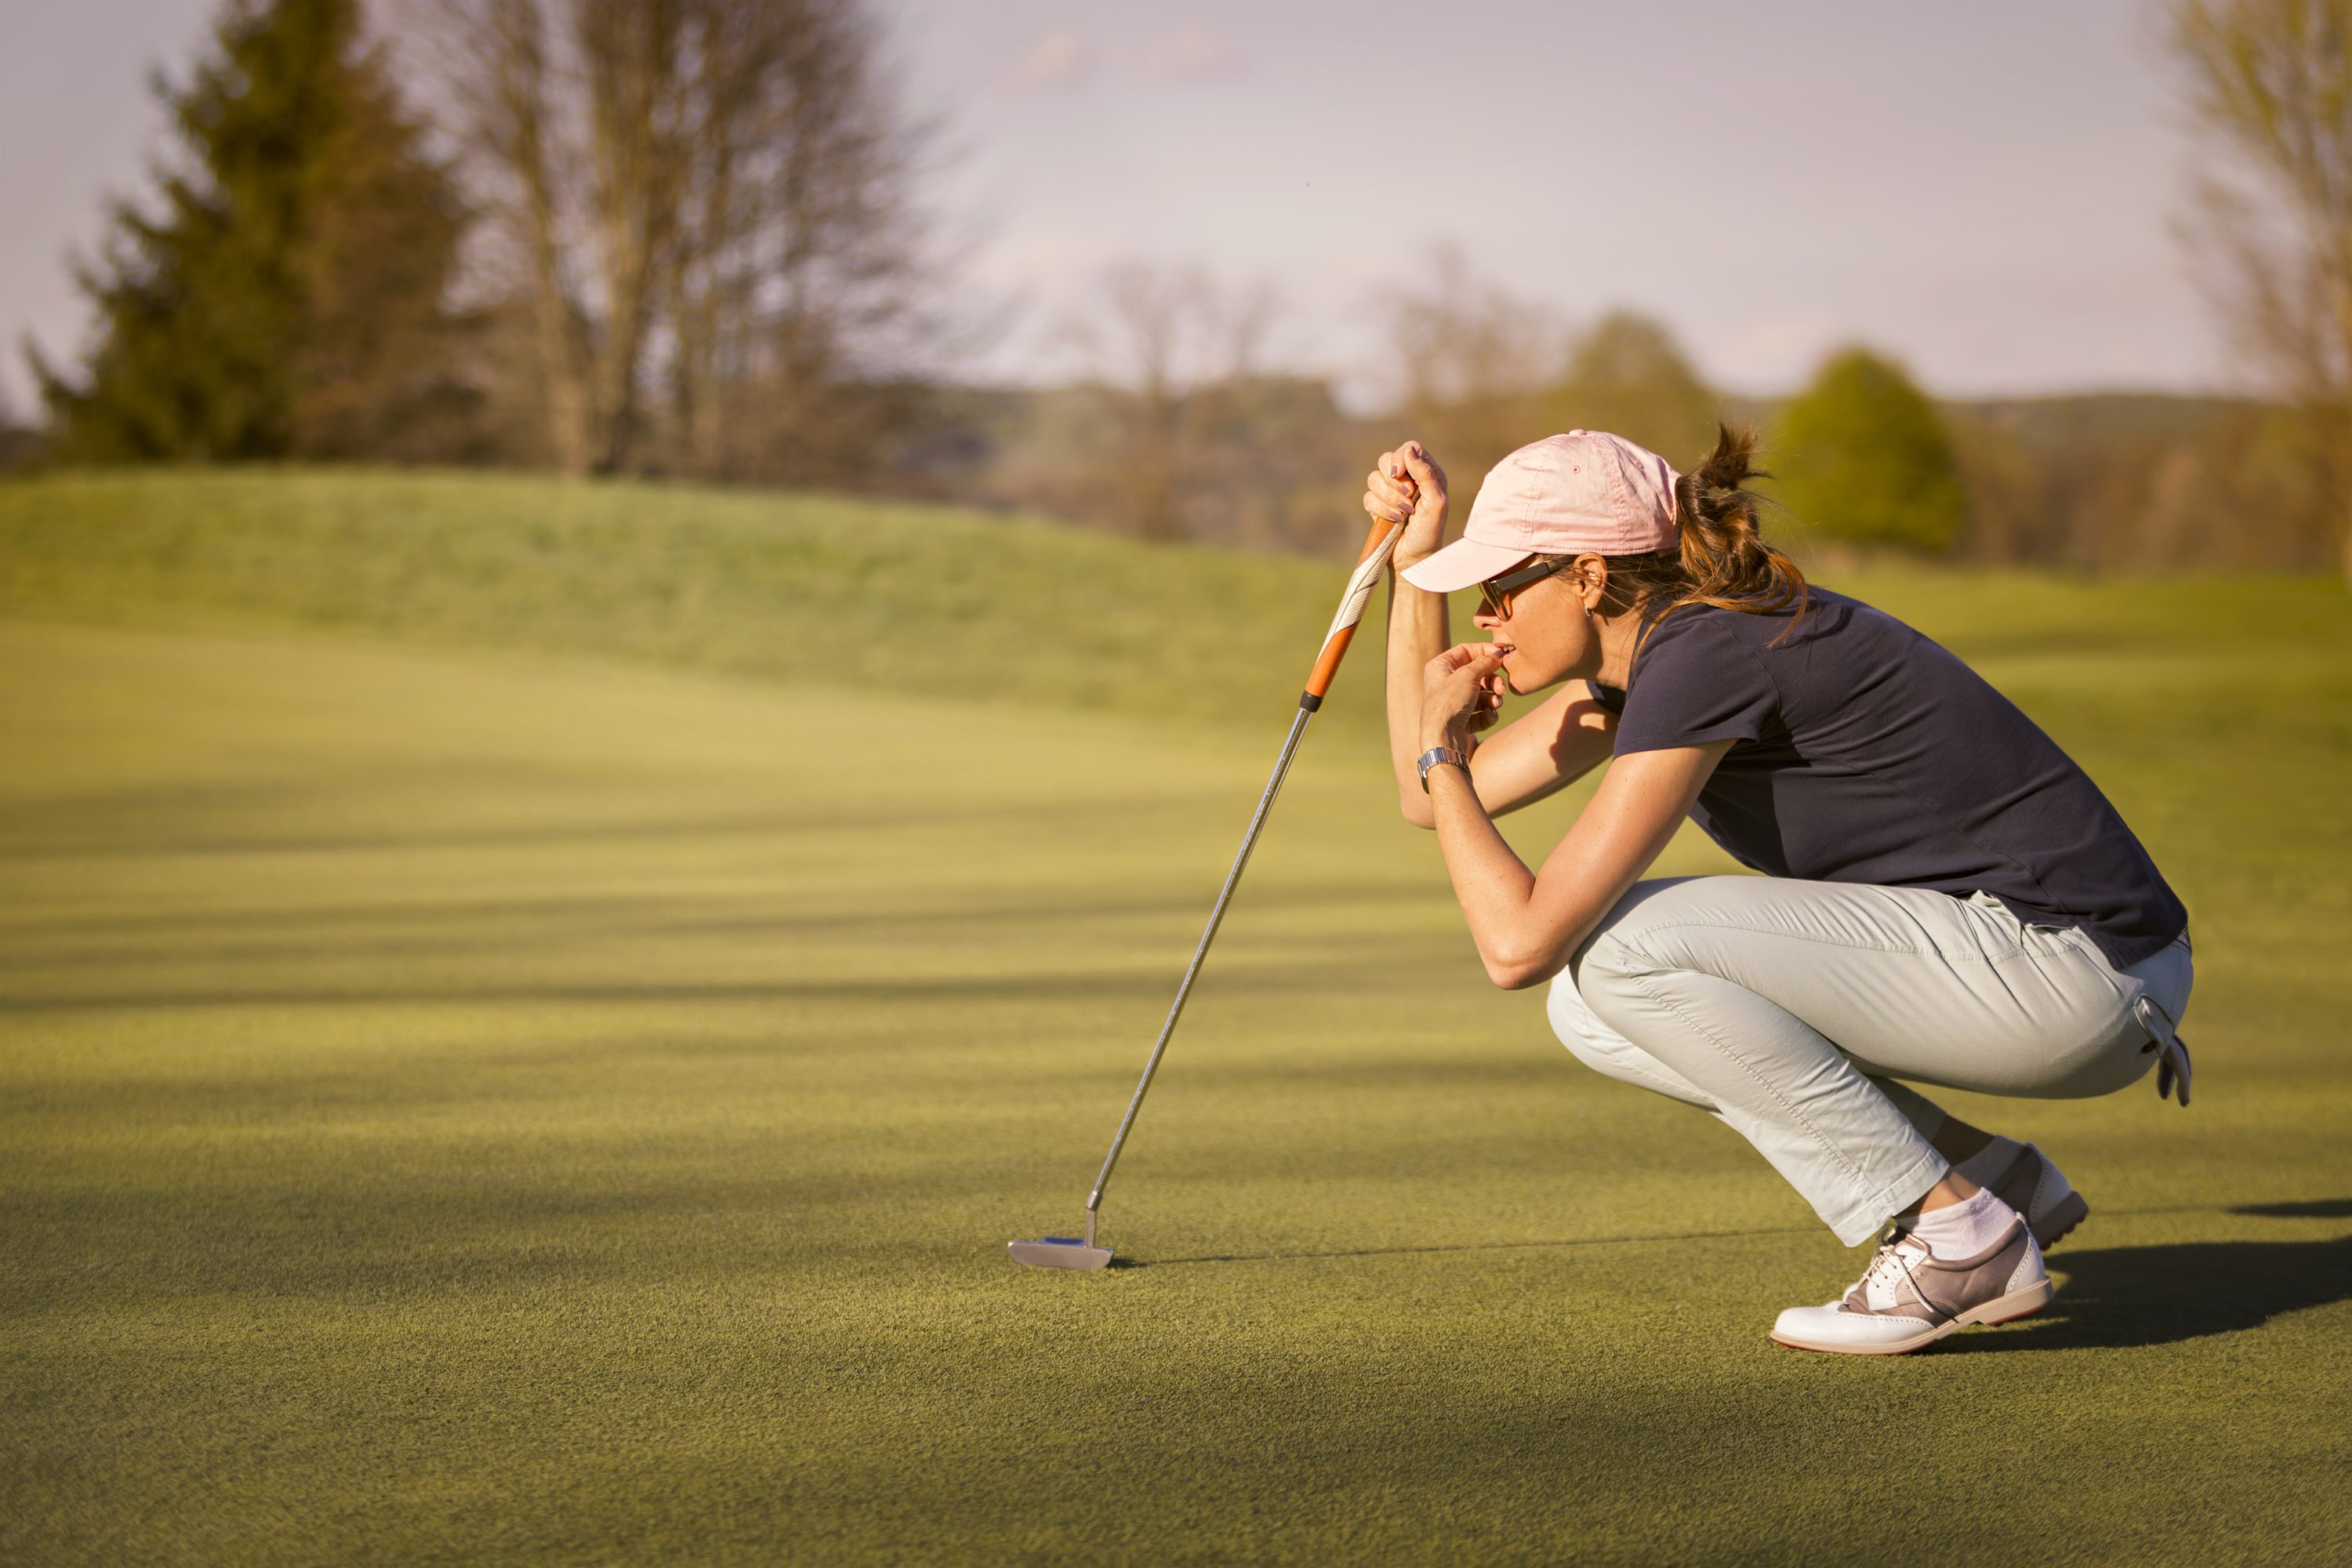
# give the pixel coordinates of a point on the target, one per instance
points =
(1374, 560)
(1184, 988)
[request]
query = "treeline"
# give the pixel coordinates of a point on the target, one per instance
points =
(1865, 461)
(652, 235)
(683, 237)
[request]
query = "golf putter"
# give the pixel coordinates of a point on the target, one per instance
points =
(1081, 1252)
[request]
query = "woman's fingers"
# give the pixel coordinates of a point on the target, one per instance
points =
(1462, 654)
(1413, 462)
(1466, 673)
(1420, 483)
(1384, 499)
(1459, 692)
(1381, 483)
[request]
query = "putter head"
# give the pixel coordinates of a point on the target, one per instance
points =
(1058, 1252)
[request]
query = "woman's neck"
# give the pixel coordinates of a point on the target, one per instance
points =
(1619, 635)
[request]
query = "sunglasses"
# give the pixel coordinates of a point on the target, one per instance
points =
(1495, 592)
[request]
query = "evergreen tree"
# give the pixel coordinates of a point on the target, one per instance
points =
(284, 295)
(1629, 377)
(1863, 457)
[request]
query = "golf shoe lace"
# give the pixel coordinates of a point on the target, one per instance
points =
(1890, 1269)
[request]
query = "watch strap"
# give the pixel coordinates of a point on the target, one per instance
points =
(1437, 756)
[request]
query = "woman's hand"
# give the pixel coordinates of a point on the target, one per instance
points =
(1461, 694)
(1407, 486)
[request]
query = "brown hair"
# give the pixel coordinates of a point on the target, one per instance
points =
(1721, 559)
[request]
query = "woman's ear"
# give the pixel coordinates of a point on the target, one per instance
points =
(1592, 581)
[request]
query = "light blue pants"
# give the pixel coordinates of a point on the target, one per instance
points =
(1786, 1009)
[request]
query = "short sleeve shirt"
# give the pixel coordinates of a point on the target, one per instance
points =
(1863, 751)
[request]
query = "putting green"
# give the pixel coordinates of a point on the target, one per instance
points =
(462, 1105)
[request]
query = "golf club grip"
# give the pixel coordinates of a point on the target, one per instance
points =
(1369, 566)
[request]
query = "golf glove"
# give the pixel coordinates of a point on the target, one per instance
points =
(2172, 1061)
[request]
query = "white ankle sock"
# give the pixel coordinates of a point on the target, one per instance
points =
(1963, 1229)
(1992, 1160)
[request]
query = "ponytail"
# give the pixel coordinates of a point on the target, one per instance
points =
(1728, 564)
(1720, 559)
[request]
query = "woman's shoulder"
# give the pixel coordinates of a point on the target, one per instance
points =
(1836, 639)
(1822, 615)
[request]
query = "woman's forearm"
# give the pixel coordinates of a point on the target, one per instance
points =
(1417, 634)
(1490, 881)
(1526, 923)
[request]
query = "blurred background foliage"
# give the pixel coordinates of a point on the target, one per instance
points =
(1866, 460)
(685, 238)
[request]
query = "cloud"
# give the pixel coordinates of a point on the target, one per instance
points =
(1194, 54)
(1056, 58)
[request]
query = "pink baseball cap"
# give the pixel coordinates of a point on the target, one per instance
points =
(1564, 495)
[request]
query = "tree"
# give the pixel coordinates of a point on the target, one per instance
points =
(706, 212)
(1472, 360)
(1628, 377)
(2271, 88)
(1173, 352)
(1862, 458)
(286, 299)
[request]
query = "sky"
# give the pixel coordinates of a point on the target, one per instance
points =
(1985, 191)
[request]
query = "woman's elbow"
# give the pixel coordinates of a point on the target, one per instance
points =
(1415, 809)
(1519, 971)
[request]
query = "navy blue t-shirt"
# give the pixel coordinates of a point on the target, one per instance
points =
(1863, 753)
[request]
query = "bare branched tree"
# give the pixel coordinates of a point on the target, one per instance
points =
(2271, 84)
(709, 204)
(1172, 348)
(795, 292)
(1472, 362)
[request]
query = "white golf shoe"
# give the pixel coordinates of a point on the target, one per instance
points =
(1909, 1298)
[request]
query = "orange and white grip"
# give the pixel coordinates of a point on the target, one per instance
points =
(1369, 567)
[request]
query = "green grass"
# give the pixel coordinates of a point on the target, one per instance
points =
(801, 588)
(517, 1045)
(818, 590)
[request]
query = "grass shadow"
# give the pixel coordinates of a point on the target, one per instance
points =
(2122, 1297)
(2314, 1208)
(1438, 1246)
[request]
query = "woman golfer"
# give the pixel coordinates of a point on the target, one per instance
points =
(1946, 897)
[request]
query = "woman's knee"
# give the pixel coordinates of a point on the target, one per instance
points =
(1615, 955)
(1616, 969)
(1588, 1040)
(1591, 1040)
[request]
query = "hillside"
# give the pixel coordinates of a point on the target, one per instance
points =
(799, 587)
(903, 597)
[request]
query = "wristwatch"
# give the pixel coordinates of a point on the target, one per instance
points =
(1437, 756)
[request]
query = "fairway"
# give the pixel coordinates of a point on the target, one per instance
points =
(464, 1096)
